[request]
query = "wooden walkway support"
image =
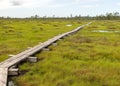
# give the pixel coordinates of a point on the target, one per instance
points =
(16, 59)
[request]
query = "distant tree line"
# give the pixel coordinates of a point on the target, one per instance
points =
(107, 16)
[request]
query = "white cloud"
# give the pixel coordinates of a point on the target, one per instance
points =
(5, 4)
(36, 2)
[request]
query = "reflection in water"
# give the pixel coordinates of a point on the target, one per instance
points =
(105, 31)
(10, 83)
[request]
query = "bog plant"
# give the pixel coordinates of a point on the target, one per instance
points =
(18, 34)
(84, 59)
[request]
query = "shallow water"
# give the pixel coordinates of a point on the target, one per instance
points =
(69, 25)
(11, 83)
(105, 31)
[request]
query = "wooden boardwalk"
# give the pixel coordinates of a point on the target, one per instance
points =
(3, 76)
(16, 59)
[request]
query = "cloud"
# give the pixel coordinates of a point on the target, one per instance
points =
(5, 4)
(8, 4)
(16, 3)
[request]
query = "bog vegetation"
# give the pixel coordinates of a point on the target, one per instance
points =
(88, 58)
(18, 34)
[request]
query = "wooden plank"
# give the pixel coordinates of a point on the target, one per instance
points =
(3, 76)
(13, 71)
(32, 59)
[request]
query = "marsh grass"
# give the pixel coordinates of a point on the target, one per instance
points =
(84, 59)
(18, 34)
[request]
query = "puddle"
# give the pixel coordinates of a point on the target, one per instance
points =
(105, 31)
(68, 25)
(11, 83)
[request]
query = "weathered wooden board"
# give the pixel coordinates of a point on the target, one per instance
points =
(3, 76)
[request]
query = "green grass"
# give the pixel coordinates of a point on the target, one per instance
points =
(18, 34)
(84, 59)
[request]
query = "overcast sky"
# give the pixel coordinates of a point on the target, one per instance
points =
(24, 8)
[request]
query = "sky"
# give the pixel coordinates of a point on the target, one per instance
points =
(59, 8)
